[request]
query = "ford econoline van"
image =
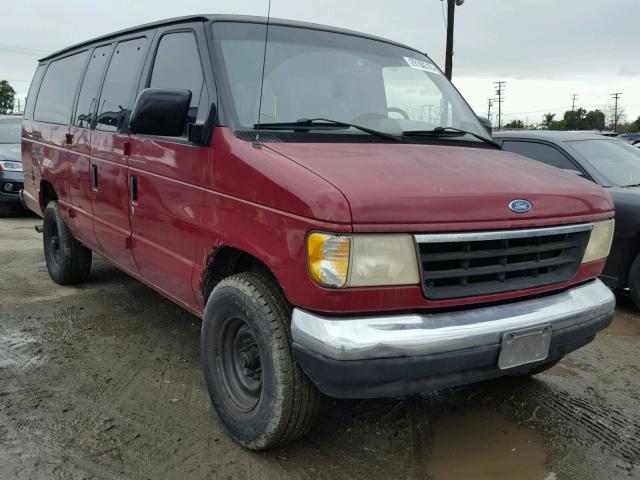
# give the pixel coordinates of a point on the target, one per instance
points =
(324, 200)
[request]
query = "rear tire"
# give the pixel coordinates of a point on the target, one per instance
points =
(258, 391)
(68, 261)
(634, 281)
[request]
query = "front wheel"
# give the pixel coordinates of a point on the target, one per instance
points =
(68, 261)
(258, 391)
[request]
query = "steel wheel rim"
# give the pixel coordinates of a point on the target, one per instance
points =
(54, 241)
(240, 364)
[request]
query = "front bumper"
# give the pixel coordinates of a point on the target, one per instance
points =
(363, 357)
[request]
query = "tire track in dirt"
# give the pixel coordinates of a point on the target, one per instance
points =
(615, 430)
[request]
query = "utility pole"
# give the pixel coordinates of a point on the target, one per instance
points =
(615, 111)
(573, 107)
(500, 92)
(489, 110)
(451, 8)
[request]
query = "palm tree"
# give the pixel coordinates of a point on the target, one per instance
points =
(548, 118)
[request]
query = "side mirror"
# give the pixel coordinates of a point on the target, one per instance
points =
(160, 112)
(486, 123)
(200, 133)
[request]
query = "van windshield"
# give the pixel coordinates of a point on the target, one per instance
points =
(317, 74)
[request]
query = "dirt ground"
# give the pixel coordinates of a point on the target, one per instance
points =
(103, 381)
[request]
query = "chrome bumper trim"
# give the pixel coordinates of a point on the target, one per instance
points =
(501, 234)
(411, 335)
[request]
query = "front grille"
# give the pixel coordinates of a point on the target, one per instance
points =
(483, 263)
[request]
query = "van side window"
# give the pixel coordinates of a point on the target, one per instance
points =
(541, 152)
(33, 91)
(177, 65)
(90, 84)
(119, 85)
(55, 98)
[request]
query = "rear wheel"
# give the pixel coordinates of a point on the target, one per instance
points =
(258, 391)
(634, 281)
(68, 261)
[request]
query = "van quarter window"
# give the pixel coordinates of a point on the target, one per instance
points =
(177, 65)
(119, 84)
(33, 91)
(55, 98)
(89, 90)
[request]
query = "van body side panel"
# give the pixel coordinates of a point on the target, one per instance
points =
(80, 187)
(111, 198)
(46, 159)
(32, 147)
(165, 219)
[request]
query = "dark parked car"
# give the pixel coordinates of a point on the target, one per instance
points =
(613, 164)
(11, 179)
(631, 137)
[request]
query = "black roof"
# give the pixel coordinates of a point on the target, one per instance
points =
(551, 135)
(220, 18)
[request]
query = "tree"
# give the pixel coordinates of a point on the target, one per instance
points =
(548, 118)
(558, 125)
(594, 120)
(7, 97)
(574, 119)
(612, 117)
(515, 124)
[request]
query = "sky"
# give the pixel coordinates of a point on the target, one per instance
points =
(546, 50)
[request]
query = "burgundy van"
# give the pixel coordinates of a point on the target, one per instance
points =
(338, 217)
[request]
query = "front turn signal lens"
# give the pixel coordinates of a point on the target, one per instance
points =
(328, 258)
(599, 241)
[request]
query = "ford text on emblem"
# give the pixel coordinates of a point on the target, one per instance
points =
(520, 205)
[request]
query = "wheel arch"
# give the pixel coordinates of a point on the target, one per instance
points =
(47, 194)
(225, 261)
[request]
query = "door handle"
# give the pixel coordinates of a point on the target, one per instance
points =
(94, 176)
(133, 188)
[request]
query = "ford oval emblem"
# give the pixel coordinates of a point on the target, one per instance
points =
(520, 205)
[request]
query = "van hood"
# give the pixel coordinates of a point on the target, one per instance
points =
(424, 184)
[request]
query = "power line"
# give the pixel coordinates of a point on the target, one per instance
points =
(616, 96)
(573, 108)
(500, 92)
(23, 50)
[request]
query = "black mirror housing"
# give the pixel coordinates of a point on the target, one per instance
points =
(160, 112)
(200, 133)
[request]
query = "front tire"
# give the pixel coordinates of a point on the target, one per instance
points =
(258, 391)
(68, 261)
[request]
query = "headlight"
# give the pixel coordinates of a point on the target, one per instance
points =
(10, 166)
(599, 242)
(362, 259)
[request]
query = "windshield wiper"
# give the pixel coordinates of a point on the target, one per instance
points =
(315, 123)
(448, 131)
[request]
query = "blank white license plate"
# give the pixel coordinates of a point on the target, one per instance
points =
(524, 346)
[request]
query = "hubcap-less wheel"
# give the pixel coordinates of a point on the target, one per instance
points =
(258, 391)
(240, 364)
(54, 240)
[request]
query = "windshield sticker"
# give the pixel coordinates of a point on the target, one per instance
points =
(422, 65)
